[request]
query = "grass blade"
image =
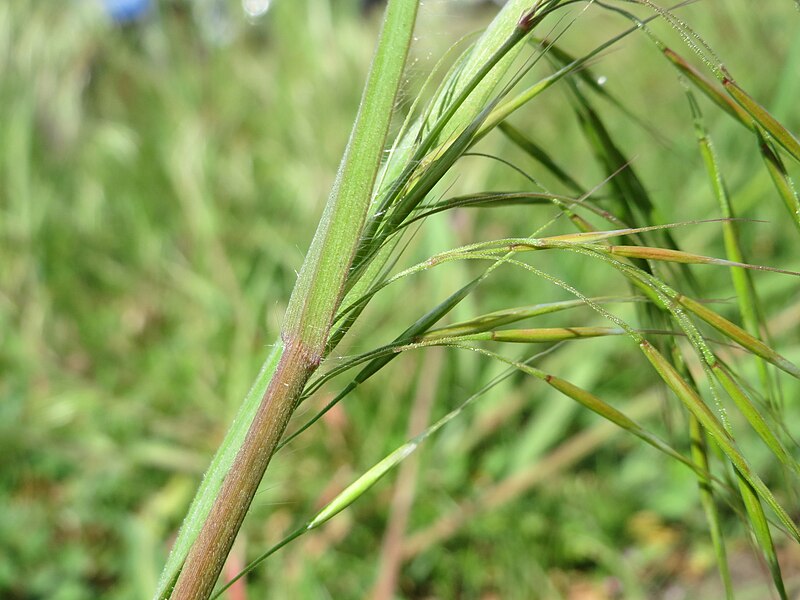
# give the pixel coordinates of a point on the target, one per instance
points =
(701, 412)
(761, 116)
(758, 521)
(754, 417)
(747, 298)
(321, 282)
(593, 403)
(707, 87)
(739, 335)
(700, 458)
(678, 256)
(780, 178)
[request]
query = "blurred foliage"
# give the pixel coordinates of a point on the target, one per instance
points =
(159, 183)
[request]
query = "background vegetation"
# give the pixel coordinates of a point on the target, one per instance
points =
(159, 184)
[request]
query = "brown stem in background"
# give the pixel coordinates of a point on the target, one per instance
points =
(235, 563)
(564, 456)
(391, 559)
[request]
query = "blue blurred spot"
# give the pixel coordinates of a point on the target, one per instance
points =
(126, 11)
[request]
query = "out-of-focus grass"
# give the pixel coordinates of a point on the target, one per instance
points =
(157, 191)
(157, 194)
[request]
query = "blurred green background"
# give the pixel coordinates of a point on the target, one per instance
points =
(159, 183)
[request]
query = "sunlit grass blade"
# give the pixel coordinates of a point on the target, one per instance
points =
(600, 235)
(369, 478)
(701, 412)
(708, 87)
(678, 256)
(747, 298)
(780, 178)
(760, 526)
(739, 335)
(754, 417)
(777, 132)
(593, 403)
(474, 67)
(700, 458)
